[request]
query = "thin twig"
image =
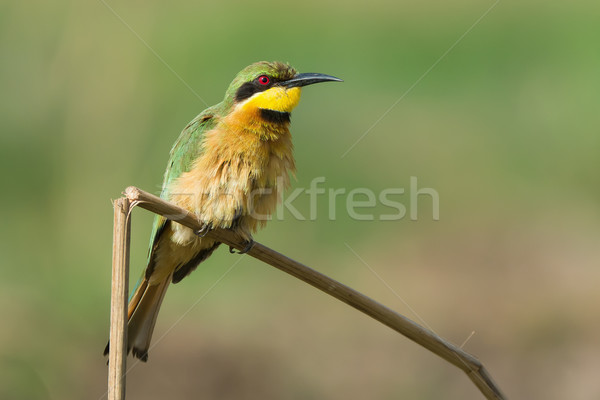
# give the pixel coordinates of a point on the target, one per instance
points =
(118, 300)
(415, 332)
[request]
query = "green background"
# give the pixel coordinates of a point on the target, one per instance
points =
(501, 118)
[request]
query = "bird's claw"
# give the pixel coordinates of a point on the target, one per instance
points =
(247, 248)
(202, 231)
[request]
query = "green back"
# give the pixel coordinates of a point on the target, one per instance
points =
(185, 150)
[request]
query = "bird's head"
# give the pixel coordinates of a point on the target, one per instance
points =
(271, 86)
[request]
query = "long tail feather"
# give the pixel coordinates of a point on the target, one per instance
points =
(142, 316)
(142, 312)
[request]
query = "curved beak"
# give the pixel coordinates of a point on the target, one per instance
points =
(308, 79)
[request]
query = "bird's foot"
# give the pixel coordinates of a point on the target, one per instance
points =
(202, 231)
(247, 248)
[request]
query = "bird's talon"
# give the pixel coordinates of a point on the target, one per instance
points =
(249, 246)
(202, 231)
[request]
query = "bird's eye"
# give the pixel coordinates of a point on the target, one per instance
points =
(264, 80)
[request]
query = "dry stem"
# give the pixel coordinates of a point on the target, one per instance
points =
(118, 300)
(415, 332)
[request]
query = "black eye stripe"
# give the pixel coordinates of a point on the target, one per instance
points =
(246, 91)
(249, 88)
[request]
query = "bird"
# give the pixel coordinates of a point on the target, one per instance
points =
(228, 167)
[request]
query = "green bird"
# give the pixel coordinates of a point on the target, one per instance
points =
(227, 167)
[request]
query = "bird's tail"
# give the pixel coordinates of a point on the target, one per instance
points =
(142, 312)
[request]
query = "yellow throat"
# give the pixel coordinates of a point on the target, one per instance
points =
(276, 98)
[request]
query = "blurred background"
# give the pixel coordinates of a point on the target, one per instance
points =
(493, 105)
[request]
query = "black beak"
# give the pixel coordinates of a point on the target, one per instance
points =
(308, 79)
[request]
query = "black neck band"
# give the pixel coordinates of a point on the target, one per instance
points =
(278, 117)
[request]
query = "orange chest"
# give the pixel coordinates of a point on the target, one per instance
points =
(239, 168)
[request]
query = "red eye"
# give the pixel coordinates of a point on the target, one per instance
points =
(263, 80)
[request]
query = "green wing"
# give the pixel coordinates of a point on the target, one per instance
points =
(185, 150)
(187, 147)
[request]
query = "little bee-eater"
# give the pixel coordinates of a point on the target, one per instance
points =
(227, 167)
